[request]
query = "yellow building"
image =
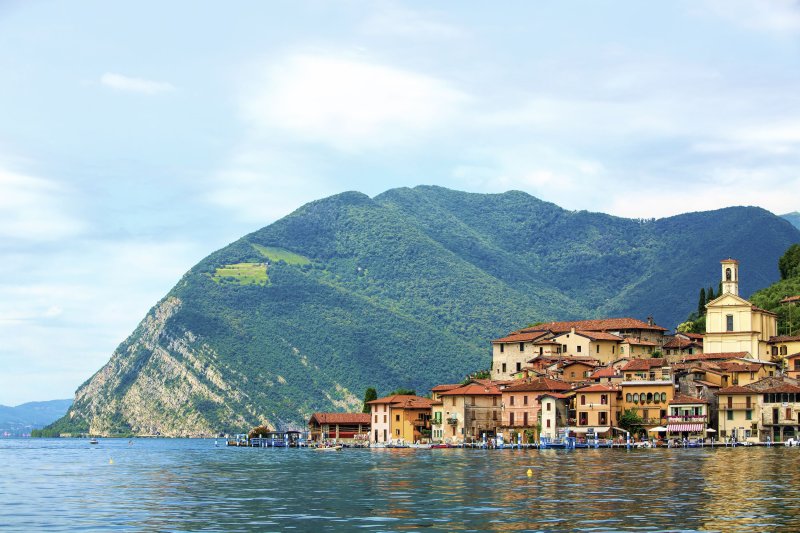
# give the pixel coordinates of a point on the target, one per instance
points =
(735, 325)
(647, 389)
(512, 352)
(399, 417)
(470, 412)
(739, 408)
(597, 409)
(783, 346)
(597, 344)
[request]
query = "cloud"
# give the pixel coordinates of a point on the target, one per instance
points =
(762, 15)
(349, 104)
(135, 85)
(398, 21)
(34, 209)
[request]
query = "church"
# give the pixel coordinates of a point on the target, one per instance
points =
(734, 325)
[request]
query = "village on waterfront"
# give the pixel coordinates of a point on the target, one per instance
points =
(603, 382)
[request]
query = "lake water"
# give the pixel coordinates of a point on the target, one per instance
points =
(190, 485)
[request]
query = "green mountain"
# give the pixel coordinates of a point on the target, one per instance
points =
(20, 420)
(794, 218)
(402, 290)
(789, 285)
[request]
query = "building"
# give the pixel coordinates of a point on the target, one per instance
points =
(793, 366)
(606, 374)
(470, 412)
(637, 348)
(647, 389)
(553, 414)
(510, 353)
(339, 426)
(388, 417)
(738, 408)
(620, 327)
(576, 371)
(687, 418)
(597, 344)
(520, 404)
(735, 325)
(682, 344)
(597, 409)
(766, 409)
(783, 346)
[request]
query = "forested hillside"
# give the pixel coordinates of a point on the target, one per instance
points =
(404, 289)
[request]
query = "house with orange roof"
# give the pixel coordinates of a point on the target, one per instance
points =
(597, 409)
(520, 404)
(606, 374)
(744, 371)
(347, 427)
(554, 414)
(400, 417)
(576, 371)
(783, 346)
(470, 412)
(682, 344)
(793, 366)
(621, 327)
(767, 408)
(598, 344)
(636, 347)
(739, 410)
(510, 353)
(688, 417)
(733, 324)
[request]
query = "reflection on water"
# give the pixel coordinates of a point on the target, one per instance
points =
(185, 485)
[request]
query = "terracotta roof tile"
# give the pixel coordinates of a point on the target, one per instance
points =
(736, 389)
(605, 372)
(791, 299)
(444, 387)
(784, 338)
(521, 337)
(395, 398)
(603, 324)
(722, 355)
(756, 308)
(638, 342)
(473, 389)
(707, 383)
(598, 387)
(540, 384)
(733, 366)
(644, 364)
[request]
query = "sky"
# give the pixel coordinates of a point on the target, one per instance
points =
(138, 137)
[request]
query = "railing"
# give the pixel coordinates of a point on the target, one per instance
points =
(436, 421)
(649, 421)
(686, 418)
(452, 421)
(735, 406)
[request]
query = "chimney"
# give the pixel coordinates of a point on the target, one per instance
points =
(650, 321)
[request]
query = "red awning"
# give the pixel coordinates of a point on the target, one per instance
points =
(679, 428)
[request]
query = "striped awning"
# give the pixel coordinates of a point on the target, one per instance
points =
(679, 428)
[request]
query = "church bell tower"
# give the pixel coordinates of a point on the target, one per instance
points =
(730, 276)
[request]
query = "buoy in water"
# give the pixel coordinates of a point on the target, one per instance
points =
(530, 473)
(111, 461)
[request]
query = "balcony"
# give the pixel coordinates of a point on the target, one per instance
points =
(653, 421)
(677, 419)
(735, 406)
(453, 421)
(436, 421)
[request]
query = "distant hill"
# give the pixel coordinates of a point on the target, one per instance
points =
(402, 290)
(32, 415)
(794, 218)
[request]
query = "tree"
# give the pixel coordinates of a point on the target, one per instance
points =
(685, 327)
(630, 421)
(789, 263)
(405, 392)
(701, 303)
(710, 296)
(369, 395)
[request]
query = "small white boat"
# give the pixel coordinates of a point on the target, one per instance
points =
(93, 441)
(328, 448)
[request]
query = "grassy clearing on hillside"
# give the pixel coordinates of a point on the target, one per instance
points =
(280, 254)
(242, 273)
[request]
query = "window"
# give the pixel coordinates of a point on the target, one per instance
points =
(691, 351)
(597, 349)
(397, 418)
(663, 397)
(511, 401)
(502, 348)
(603, 418)
(613, 348)
(604, 399)
(583, 399)
(730, 415)
(728, 274)
(572, 374)
(541, 350)
(636, 398)
(656, 397)
(524, 400)
(583, 419)
(522, 347)
(774, 350)
(629, 397)
(729, 323)
(385, 435)
(650, 397)
(548, 406)
(748, 414)
(579, 348)
(730, 401)
(504, 368)
(519, 367)
(494, 401)
(376, 421)
(548, 422)
(621, 349)
(783, 350)
(494, 415)
(510, 419)
(525, 419)
(384, 419)
(746, 400)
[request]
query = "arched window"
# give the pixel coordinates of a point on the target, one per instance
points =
(728, 274)
(649, 397)
(636, 398)
(629, 397)
(663, 396)
(656, 398)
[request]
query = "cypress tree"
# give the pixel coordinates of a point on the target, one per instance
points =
(710, 294)
(369, 395)
(701, 303)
